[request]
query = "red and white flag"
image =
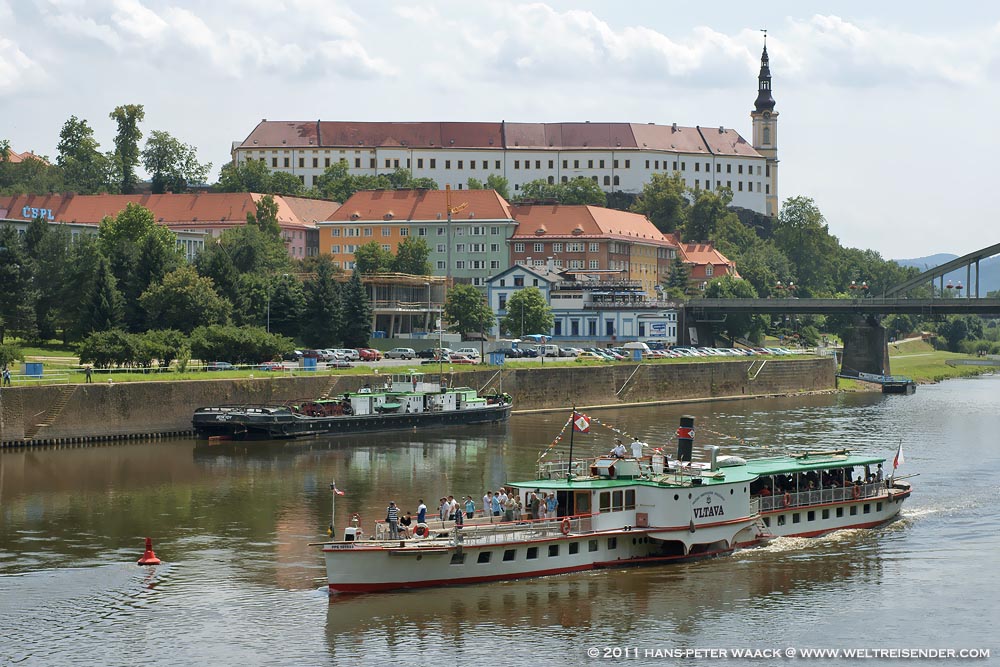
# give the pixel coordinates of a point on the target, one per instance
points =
(899, 457)
(336, 491)
(581, 423)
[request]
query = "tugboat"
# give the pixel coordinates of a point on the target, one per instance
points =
(617, 511)
(407, 400)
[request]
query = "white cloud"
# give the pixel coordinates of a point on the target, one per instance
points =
(17, 70)
(135, 19)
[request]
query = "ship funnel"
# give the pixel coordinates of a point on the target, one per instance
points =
(685, 438)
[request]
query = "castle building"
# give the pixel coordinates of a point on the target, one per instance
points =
(617, 156)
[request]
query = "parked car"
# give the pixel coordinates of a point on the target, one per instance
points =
(512, 352)
(435, 352)
(468, 351)
(528, 351)
(219, 366)
(369, 354)
(401, 353)
(271, 366)
(457, 358)
(349, 354)
(338, 363)
(294, 355)
(587, 355)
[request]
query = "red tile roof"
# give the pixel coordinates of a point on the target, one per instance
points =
(15, 158)
(169, 209)
(700, 255)
(557, 220)
(534, 136)
(422, 205)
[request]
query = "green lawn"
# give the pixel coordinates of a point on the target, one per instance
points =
(919, 361)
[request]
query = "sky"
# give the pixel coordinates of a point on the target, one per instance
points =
(888, 110)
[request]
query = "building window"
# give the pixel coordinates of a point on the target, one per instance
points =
(552, 164)
(447, 164)
(357, 163)
(565, 164)
(590, 164)
(594, 264)
(617, 181)
(460, 264)
(388, 163)
(607, 180)
(441, 265)
(421, 231)
(538, 247)
(647, 164)
(518, 281)
(460, 166)
(404, 231)
(326, 162)
(729, 168)
(615, 164)
(557, 247)
(576, 164)
(709, 269)
(595, 247)
(697, 166)
(494, 264)
(420, 163)
(517, 164)
(433, 163)
(274, 162)
(518, 247)
(315, 162)
(628, 164)
(368, 231)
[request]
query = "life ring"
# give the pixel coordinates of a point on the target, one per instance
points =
(421, 530)
(856, 492)
(565, 526)
(786, 500)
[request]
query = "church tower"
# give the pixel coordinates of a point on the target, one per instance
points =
(765, 131)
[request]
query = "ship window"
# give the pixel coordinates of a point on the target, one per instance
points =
(574, 548)
(605, 501)
(868, 508)
(553, 550)
(796, 518)
(592, 545)
(767, 522)
(508, 554)
(630, 499)
(854, 510)
(458, 559)
(484, 556)
(781, 519)
(840, 512)
(878, 507)
(826, 514)
(616, 501)
(612, 543)
(811, 515)
(532, 553)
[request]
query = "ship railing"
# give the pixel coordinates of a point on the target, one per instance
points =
(806, 498)
(560, 469)
(474, 532)
(754, 506)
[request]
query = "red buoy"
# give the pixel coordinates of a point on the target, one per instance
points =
(149, 558)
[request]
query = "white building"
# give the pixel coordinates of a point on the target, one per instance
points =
(600, 306)
(617, 156)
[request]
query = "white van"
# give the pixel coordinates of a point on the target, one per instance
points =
(631, 347)
(549, 350)
(468, 351)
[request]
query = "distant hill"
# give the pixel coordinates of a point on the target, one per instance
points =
(989, 281)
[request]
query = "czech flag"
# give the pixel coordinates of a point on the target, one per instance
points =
(581, 423)
(899, 457)
(336, 491)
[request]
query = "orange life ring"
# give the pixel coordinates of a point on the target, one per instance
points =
(565, 526)
(857, 492)
(421, 530)
(786, 500)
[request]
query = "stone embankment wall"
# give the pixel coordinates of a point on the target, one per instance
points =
(78, 413)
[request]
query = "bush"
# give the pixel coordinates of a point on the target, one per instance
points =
(9, 353)
(105, 349)
(238, 345)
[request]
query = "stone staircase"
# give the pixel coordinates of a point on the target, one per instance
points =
(49, 416)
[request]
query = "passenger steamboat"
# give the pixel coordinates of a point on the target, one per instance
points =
(617, 511)
(406, 400)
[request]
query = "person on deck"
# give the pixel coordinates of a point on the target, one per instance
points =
(421, 511)
(443, 509)
(405, 523)
(495, 505)
(392, 518)
(551, 506)
(619, 449)
(878, 474)
(637, 446)
(470, 507)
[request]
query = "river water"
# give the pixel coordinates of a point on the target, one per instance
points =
(240, 586)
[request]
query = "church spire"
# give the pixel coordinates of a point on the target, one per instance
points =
(764, 100)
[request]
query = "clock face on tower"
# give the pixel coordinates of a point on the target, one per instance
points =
(767, 114)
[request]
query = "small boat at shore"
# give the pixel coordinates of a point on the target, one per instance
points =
(406, 400)
(619, 511)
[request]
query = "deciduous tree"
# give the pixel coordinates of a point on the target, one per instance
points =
(527, 313)
(411, 257)
(372, 258)
(173, 165)
(184, 301)
(128, 117)
(467, 311)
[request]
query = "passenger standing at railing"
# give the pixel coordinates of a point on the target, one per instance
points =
(551, 506)
(495, 505)
(878, 474)
(392, 518)
(421, 511)
(508, 508)
(470, 507)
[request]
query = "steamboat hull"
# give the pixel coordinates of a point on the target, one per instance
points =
(239, 424)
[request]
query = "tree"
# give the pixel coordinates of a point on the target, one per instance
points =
(104, 308)
(84, 168)
(357, 319)
(736, 326)
(493, 182)
(709, 210)
(467, 311)
(248, 176)
(184, 301)
(48, 248)
(801, 234)
(17, 295)
(288, 302)
(128, 117)
(527, 313)
(173, 165)
(680, 274)
(372, 258)
(283, 183)
(411, 257)
(321, 325)
(265, 218)
(582, 191)
(664, 201)
(9, 354)
(105, 349)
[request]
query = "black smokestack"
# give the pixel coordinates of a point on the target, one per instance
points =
(685, 438)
